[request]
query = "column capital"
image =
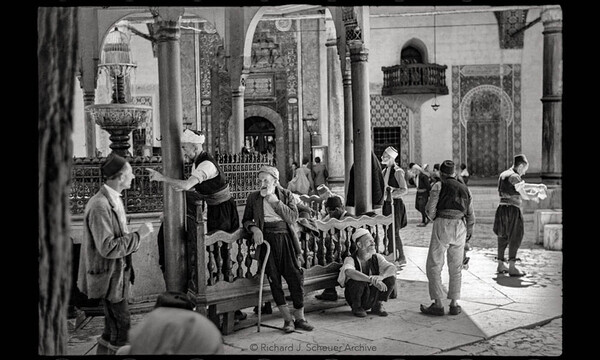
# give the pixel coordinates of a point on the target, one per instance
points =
(167, 30)
(358, 51)
(551, 17)
(331, 42)
(88, 97)
(238, 92)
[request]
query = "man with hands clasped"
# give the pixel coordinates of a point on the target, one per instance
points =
(368, 277)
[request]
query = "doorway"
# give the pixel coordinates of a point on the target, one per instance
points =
(259, 136)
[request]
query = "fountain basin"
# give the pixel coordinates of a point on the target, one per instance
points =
(119, 116)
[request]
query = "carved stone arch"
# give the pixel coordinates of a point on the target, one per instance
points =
(274, 117)
(419, 45)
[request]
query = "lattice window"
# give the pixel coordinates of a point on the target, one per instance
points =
(384, 137)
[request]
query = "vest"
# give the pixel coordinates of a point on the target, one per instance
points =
(454, 195)
(505, 187)
(372, 264)
(392, 178)
(213, 185)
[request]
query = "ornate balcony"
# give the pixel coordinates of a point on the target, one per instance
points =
(414, 79)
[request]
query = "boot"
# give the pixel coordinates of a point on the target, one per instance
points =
(288, 321)
(512, 269)
(502, 269)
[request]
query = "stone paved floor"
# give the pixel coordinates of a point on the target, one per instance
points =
(502, 316)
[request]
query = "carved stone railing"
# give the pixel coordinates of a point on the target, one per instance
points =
(414, 79)
(146, 196)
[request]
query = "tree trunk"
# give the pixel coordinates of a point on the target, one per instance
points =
(57, 50)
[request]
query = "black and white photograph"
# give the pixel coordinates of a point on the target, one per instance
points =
(281, 178)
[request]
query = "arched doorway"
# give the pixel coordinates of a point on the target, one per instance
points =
(259, 136)
(488, 114)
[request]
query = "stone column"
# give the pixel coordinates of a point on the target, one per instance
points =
(169, 80)
(552, 96)
(335, 163)
(89, 125)
(361, 122)
(348, 133)
(237, 120)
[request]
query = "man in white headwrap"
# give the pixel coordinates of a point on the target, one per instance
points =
(210, 184)
(395, 185)
(270, 216)
(368, 277)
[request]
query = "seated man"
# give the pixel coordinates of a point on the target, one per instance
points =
(368, 277)
(335, 210)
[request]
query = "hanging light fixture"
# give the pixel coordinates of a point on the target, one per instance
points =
(435, 104)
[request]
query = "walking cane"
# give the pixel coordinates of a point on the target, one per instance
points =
(393, 226)
(262, 278)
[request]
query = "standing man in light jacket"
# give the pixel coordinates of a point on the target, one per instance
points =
(106, 268)
(450, 206)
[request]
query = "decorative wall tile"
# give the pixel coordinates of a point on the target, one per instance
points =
(486, 120)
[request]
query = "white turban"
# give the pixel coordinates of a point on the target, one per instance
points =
(360, 232)
(393, 153)
(191, 137)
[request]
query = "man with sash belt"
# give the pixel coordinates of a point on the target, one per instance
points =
(105, 266)
(508, 221)
(270, 216)
(368, 277)
(423, 185)
(450, 206)
(209, 182)
(395, 183)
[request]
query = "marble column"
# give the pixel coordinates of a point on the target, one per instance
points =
(89, 125)
(169, 80)
(348, 133)
(237, 120)
(552, 96)
(361, 122)
(335, 163)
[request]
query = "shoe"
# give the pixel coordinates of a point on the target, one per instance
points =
(379, 310)
(288, 326)
(328, 296)
(432, 310)
(517, 273)
(455, 310)
(501, 269)
(512, 269)
(303, 324)
(264, 310)
(402, 262)
(359, 312)
(239, 315)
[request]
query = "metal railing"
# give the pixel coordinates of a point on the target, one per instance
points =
(147, 196)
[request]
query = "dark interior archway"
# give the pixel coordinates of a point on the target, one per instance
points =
(259, 135)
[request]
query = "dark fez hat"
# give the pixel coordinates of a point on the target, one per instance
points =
(112, 164)
(447, 167)
(333, 202)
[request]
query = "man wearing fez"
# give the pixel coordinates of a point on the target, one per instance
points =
(450, 206)
(270, 216)
(335, 210)
(368, 277)
(106, 269)
(395, 185)
(209, 182)
(377, 186)
(508, 221)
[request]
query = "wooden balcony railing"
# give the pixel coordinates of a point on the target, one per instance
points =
(414, 79)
